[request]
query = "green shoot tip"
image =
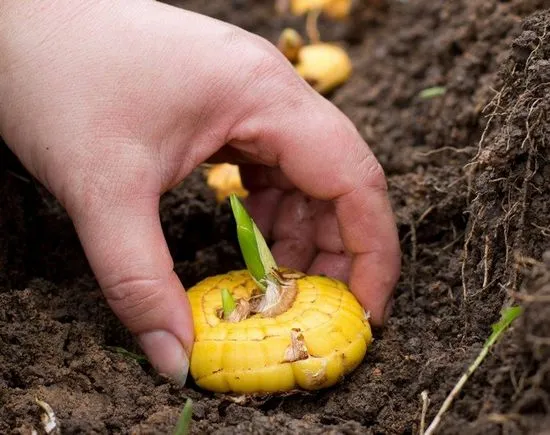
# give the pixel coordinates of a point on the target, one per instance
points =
(184, 420)
(228, 303)
(435, 91)
(257, 256)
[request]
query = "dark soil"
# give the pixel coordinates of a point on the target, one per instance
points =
(469, 179)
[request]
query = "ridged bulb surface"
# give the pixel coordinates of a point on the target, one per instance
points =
(254, 355)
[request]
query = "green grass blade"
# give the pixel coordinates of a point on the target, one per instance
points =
(507, 317)
(433, 92)
(254, 249)
(184, 420)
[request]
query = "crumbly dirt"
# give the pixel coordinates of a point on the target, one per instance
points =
(469, 179)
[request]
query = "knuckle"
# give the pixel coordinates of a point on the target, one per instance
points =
(366, 167)
(372, 172)
(78, 197)
(264, 64)
(231, 35)
(263, 45)
(133, 298)
(249, 49)
(259, 69)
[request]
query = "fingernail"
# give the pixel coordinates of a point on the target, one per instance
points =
(166, 354)
(388, 310)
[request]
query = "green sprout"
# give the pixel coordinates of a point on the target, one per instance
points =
(184, 420)
(507, 317)
(257, 256)
(228, 303)
(432, 92)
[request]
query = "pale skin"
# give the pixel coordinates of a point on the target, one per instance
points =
(111, 104)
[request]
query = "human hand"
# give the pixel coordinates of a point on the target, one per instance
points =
(110, 104)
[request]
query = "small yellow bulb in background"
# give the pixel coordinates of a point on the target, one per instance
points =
(335, 9)
(324, 66)
(225, 179)
(290, 43)
(338, 9)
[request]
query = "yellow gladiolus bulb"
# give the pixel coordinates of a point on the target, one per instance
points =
(300, 7)
(315, 335)
(324, 65)
(337, 9)
(290, 43)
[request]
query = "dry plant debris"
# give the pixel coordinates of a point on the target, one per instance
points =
(48, 418)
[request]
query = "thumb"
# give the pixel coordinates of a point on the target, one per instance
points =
(127, 251)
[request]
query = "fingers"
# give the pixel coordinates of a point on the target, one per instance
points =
(126, 248)
(321, 153)
(263, 207)
(333, 259)
(274, 200)
(259, 177)
(330, 264)
(294, 231)
(287, 219)
(313, 244)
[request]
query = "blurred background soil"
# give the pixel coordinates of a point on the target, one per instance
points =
(469, 179)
